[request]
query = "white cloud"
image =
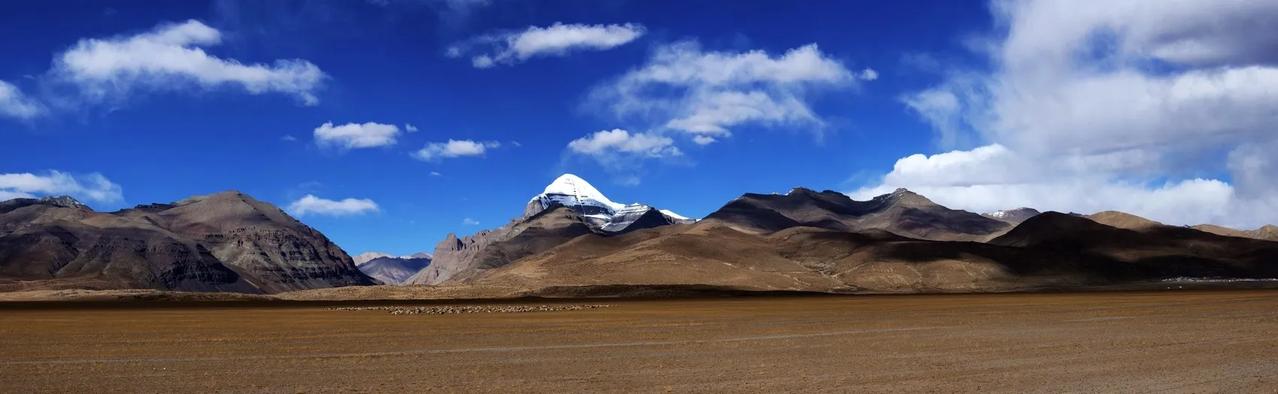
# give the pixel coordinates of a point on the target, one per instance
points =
(704, 94)
(554, 40)
(623, 153)
(1111, 106)
(868, 74)
(356, 135)
(618, 141)
(435, 173)
(171, 57)
(992, 177)
(410, 128)
(1188, 73)
(941, 109)
(91, 187)
(470, 222)
(312, 205)
(15, 104)
(703, 140)
(454, 148)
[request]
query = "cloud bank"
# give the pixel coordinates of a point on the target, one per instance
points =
(91, 187)
(704, 94)
(1141, 106)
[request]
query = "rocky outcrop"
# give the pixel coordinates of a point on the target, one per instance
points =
(458, 259)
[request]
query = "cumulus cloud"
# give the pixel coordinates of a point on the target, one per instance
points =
(171, 56)
(312, 205)
(454, 148)
(1111, 106)
(868, 74)
(91, 187)
(623, 153)
(993, 177)
(704, 94)
(618, 141)
(356, 135)
(15, 104)
(555, 40)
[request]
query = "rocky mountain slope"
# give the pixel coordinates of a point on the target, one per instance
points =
(1123, 220)
(221, 242)
(1049, 251)
(568, 208)
(1266, 233)
(902, 212)
(1144, 248)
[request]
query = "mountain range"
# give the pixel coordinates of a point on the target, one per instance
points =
(572, 239)
(391, 270)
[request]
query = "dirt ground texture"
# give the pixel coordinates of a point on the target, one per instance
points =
(1192, 341)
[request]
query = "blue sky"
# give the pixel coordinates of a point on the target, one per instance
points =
(90, 106)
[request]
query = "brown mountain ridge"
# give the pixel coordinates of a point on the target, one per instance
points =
(804, 240)
(899, 242)
(220, 242)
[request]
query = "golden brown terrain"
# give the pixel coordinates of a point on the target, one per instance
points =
(1192, 341)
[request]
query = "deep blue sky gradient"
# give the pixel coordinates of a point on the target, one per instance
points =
(386, 64)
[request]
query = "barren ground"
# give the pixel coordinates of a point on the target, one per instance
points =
(1192, 341)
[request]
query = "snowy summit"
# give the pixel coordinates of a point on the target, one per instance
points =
(601, 212)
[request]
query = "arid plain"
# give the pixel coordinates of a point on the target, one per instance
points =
(1186, 341)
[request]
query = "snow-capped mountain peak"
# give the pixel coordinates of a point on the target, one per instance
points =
(601, 212)
(571, 190)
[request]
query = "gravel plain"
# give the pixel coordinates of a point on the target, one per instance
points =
(1189, 341)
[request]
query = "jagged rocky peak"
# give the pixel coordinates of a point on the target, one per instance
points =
(905, 196)
(596, 209)
(64, 201)
(803, 191)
